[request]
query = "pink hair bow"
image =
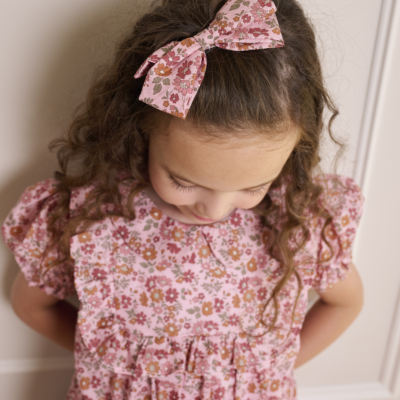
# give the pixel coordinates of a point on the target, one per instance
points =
(175, 71)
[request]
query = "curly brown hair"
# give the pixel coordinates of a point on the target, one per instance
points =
(258, 89)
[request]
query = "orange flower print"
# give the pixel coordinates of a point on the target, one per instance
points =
(160, 340)
(15, 231)
(155, 212)
(124, 269)
(207, 308)
(326, 255)
(236, 19)
(90, 292)
(234, 253)
(274, 385)
(217, 272)
(251, 388)
(149, 254)
(241, 363)
(345, 220)
(223, 24)
(171, 330)
(157, 295)
(162, 70)
(176, 113)
(330, 233)
(277, 31)
(264, 384)
(187, 42)
(346, 244)
(162, 395)
(249, 295)
(224, 353)
(105, 323)
(252, 265)
(242, 46)
(84, 237)
(204, 252)
(35, 253)
(84, 383)
(177, 234)
(152, 367)
(166, 103)
(102, 350)
(117, 383)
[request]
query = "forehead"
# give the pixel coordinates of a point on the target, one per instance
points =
(223, 161)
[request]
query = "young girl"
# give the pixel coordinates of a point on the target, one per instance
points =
(187, 214)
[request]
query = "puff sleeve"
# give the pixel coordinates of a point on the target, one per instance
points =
(344, 201)
(25, 233)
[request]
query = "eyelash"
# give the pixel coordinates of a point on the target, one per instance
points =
(182, 188)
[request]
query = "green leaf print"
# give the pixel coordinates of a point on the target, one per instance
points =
(166, 81)
(235, 7)
(190, 311)
(246, 3)
(147, 227)
(157, 80)
(144, 265)
(157, 88)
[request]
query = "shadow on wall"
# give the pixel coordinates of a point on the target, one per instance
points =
(89, 44)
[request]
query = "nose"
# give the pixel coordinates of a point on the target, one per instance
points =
(214, 205)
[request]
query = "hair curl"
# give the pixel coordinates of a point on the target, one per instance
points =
(259, 89)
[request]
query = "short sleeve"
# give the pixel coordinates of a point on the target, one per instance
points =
(25, 232)
(344, 201)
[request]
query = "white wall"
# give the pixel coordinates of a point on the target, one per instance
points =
(49, 50)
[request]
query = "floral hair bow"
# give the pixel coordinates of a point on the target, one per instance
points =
(175, 71)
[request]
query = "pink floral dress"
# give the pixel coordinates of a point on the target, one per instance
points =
(171, 311)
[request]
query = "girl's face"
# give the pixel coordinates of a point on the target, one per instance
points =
(200, 180)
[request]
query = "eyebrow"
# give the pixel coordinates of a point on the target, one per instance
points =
(193, 183)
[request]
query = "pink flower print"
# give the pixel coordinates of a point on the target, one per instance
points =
(246, 18)
(114, 344)
(233, 320)
(261, 260)
(95, 383)
(88, 248)
(219, 393)
(165, 264)
(39, 234)
(223, 232)
(249, 310)
(141, 318)
(151, 283)
(166, 369)
(124, 250)
(121, 232)
(173, 248)
(184, 69)
(165, 232)
(198, 328)
(126, 301)
(201, 296)
(171, 295)
(206, 266)
(256, 281)
(94, 301)
(256, 32)
(164, 281)
(264, 3)
(187, 325)
(99, 273)
(109, 358)
(188, 276)
(236, 219)
(85, 327)
(210, 325)
(174, 98)
(160, 354)
(233, 281)
(243, 285)
(105, 291)
(198, 61)
(182, 86)
(261, 294)
(148, 354)
(26, 197)
(158, 310)
(202, 367)
(258, 13)
(141, 279)
(171, 58)
(222, 32)
(219, 305)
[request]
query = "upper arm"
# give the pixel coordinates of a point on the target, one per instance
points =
(25, 298)
(347, 292)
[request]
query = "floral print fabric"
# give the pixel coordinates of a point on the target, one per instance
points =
(174, 72)
(172, 311)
